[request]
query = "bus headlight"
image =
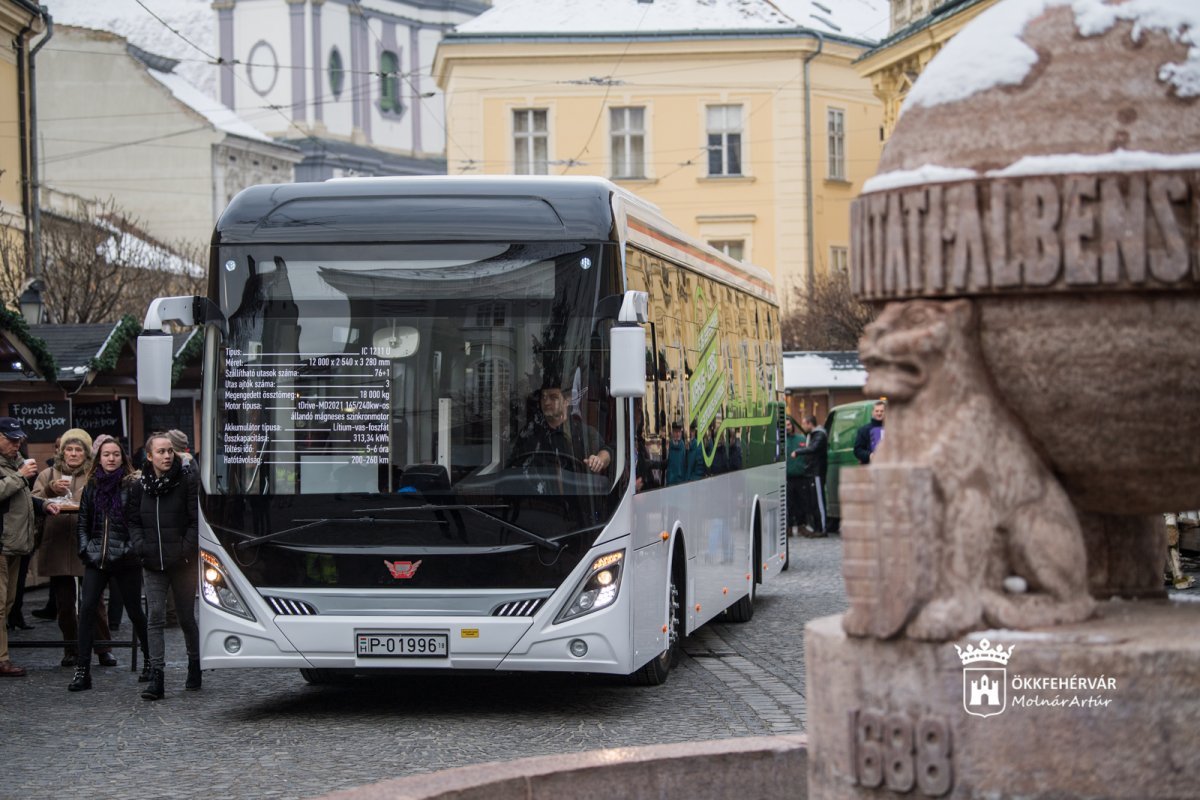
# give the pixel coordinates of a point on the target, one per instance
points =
(216, 588)
(598, 589)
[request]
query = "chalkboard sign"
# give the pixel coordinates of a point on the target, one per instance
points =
(178, 414)
(97, 418)
(45, 420)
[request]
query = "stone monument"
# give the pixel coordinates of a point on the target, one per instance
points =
(1032, 243)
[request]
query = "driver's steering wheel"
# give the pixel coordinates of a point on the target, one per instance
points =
(553, 457)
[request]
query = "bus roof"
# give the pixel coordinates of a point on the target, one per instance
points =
(424, 208)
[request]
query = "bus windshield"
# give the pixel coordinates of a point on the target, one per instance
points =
(471, 369)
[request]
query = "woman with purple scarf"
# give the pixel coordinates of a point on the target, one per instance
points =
(106, 551)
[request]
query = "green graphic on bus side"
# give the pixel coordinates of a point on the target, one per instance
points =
(708, 388)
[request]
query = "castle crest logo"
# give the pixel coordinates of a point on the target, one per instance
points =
(985, 689)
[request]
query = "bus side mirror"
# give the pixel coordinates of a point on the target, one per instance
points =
(154, 351)
(627, 377)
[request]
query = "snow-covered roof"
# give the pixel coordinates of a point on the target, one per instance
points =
(823, 370)
(855, 19)
(990, 52)
(195, 19)
(136, 251)
(222, 117)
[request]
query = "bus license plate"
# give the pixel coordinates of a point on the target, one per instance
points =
(402, 645)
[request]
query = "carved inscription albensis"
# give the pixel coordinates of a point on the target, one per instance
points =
(1045, 234)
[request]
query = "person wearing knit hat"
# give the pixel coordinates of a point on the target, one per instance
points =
(57, 557)
(100, 440)
(179, 441)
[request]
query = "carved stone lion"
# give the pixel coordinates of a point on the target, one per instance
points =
(1005, 546)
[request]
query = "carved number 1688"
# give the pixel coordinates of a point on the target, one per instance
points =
(888, 751)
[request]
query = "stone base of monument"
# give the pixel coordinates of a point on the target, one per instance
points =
(1107, 708)
(752, 768)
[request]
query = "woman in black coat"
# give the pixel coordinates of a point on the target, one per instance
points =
(106, 551)
(162, 515)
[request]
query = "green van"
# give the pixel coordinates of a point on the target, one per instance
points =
(842, 425)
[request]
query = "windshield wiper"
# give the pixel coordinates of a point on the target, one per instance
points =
(256, 540)
(478, 510)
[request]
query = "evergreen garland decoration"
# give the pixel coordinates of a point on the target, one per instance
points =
(190, 353)
(11, 321)
(127, 330)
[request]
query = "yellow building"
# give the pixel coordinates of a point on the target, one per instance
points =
(20, 21)
(919, 29)
(699, 107)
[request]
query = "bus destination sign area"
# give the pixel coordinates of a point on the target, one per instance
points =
(332, 408)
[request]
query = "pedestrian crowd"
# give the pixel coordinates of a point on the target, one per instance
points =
(688, 457)
(808, 464)
(96, 519)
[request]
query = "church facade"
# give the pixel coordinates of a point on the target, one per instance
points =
(346, 81)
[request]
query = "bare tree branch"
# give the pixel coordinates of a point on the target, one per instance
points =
(100, 266)
(832, 319)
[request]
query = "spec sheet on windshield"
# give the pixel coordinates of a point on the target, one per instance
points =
(332, 408)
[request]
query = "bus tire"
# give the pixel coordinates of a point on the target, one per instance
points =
(655, 671)
(787, 553)
(743, 609)
(326, 677)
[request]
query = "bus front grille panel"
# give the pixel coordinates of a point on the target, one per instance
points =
(286, 607)
(519, 608)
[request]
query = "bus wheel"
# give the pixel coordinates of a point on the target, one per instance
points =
(655, 671)
(787, 553)
(326, 677)
(743, 609)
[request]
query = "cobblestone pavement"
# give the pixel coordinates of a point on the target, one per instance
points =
(265, 733)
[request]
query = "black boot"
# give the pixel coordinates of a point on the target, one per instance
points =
(193, 678)
(154, 689)
(145, 676)
(82, 680)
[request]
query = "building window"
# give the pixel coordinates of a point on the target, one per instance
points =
(389, 83)
(337, 73)
(531, 142)
(490, 315)
(839, 260)
(734, 248)
(628, 142)
(837, 144)
(724, 140)
(491, 378)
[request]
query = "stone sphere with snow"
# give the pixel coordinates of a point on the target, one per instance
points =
(1047, 165)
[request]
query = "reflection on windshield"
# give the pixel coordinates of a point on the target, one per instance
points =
(415, 370)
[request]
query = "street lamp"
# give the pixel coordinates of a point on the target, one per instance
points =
(32, 306)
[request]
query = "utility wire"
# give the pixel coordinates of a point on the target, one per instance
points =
(217, 60)
(604, 100)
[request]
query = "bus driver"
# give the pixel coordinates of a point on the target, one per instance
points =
(555, 435)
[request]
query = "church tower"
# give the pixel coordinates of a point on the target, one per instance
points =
(346, 81)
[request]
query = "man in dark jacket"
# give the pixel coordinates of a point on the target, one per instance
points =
(796, 483)
(870, 435)
(17, 509)
(816, 460)
(558, 438)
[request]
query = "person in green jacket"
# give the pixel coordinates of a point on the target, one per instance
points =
(795, 477)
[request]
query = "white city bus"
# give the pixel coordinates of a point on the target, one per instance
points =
(378, 355)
